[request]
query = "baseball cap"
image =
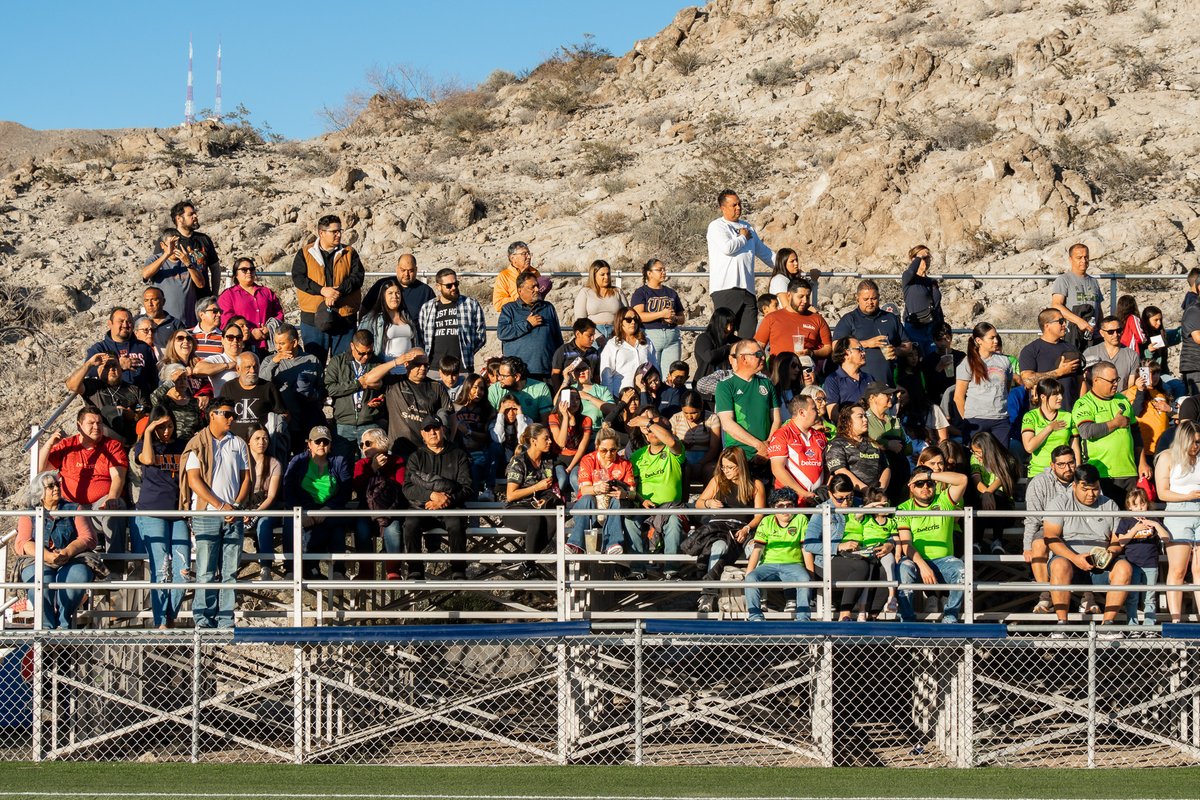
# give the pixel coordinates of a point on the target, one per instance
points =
(431, 421)
(319, 432)
(878, 387)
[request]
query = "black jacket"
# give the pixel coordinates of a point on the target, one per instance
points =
(424, 466)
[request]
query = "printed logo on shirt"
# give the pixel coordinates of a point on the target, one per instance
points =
(762, 389)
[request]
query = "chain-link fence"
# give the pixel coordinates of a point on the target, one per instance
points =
(652, 694)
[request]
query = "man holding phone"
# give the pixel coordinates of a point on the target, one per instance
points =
(1071, 540)
(1049, 356)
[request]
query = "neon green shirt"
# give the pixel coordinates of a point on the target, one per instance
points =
(781, 545)
(933, 537)
(1034, 421)
(1111, 454)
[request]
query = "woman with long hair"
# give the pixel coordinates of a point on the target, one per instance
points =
(181, 349)
(847, 562)
(1177, 480)
(474, 415)
(787, 268)
(785, 372)
(854, 454)
(256, 303)
(993, 484)
(606, 481)
(167, 540)
(600, 298)
(572, 435)
(1133, 335)
(700, 432)
(627, 350)
(174, 393)
(981, 385)
(1158, 340)
(1047, 426)
(661, 312)
(531, 485)
(266, 477)
(715, 343)
(922, 300)
(731, 486)
(394, 330)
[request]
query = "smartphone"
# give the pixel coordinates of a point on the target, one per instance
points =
(1144, 374)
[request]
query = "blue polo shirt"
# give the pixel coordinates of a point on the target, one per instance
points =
(861, 327)
(841, 388)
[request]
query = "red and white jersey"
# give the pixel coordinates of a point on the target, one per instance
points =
(805, 454)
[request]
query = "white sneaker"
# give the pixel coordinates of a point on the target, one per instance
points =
(790, 607)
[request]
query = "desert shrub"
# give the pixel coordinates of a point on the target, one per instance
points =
(994, 67)
(215, 179)
(674, 229)
(81, 207)
(599, 158)
(497, 80)
(54, 175)
(610, 223)
(561, 98)
(949, 38)
(962, 132)
(464, 121)
(563, 82)
(773, 73)
(913, 6)
(1149, 22)
(318, 162)
(1115, 6)
(687, 60)
(1075, 8)
(1114, 172)
(724, 163)
(801, 23)
(830, 119)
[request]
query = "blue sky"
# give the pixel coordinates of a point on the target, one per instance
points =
(123, 64)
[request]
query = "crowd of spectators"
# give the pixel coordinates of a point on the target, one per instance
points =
(376, 398)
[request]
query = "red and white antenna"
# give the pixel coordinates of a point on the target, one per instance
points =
(189, 107)
(217, 105)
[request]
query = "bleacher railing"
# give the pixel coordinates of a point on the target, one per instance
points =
(564, 591)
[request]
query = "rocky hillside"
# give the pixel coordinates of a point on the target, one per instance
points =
(996, 132)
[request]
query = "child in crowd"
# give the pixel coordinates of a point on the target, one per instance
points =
(766, 304)
(671, 399)
(992, 485)
(450, 372)
(872, 531)
(1143, 541)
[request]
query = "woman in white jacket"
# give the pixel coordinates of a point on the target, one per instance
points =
(627, 350)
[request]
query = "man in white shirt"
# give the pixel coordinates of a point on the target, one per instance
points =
(732, 247)
(216, 466)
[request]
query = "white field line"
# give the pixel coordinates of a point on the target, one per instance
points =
(418, 796)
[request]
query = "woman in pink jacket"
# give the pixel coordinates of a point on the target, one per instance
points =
(258, 304)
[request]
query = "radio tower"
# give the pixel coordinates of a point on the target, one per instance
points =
(217, 105)
(189, 108)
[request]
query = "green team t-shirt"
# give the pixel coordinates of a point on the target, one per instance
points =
(868, 532)
(1111, 454)
(1034, 421)
(751, 403)
(781, 545)
(659, 476)
(933, 537)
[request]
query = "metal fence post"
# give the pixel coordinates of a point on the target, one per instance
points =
(638, 732)
(297, 704)
(822, 713)
(297, 566)
(1091, 698)
(814, 278)
(967, 727)
(196, 654)
(560, 562)
(567, 725)
(969, 569)
(1112, 297)
(39, 567)
(827, 577)
(35, 450)
(39, 674)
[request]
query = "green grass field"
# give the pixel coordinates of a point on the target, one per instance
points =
(181, 781)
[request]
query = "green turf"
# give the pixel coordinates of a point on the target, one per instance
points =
(83, 780)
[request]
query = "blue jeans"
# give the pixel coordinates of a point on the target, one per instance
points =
(218, 552)
(324, 345)
(782, 573)
(264, 539)
(169, 548)
(604, 331)
(483, 466)
(667, 345)
(921, 336)
(616, 529)
(1001, 429)
(58, 605)
(946, 569)
(1142, 575)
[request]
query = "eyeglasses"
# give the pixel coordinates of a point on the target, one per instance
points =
(856, 349)
(1065, 464)
(225, 414)
(334, 231)
(841, 498)
(213, 310)
(606, 449)
(451, 285)
(1102, 378)
(234, 337)
(923, 484)
(521, 254)
(504, 375)
(145, 330)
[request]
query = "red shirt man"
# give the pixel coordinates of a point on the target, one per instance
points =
(91, 465)
(797, 450)
(777, 328)
(593, 470)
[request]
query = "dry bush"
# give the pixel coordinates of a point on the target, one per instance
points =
(1115, 6)
(83, 207)
(610, 223)
(962, 132)
(497, 80)
(221, 178)
(913, 6)
(830, 119)
(55, 176)
(1076, 8)
(561, 98)
(1149, 22)
(600, 158)
(949, 39)
(563, 83)
(725, 163)
(674, 229)
(687, 60)
(801, 23)
(1114, 172)
(25, 313)
(773, 73)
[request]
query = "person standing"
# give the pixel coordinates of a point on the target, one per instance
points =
(1049, 356)
(876, 330)
(796, 327)
(257, 303)
(451, 323)
(600, 299)
(329, 274)
(748, 407)
(416, 293)
(185, 264)
(1112, 441)
(732, 247)
(981, 386)
(922, 300)
(216, 477)
(529, 328)
(661, 312)
(356, 407)
(519, 260)
(1077, 296)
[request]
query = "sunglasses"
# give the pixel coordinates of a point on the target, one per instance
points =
(322, 442)
(225, 414)
(755, 354)
(923, 484)
(841, 498)
(233, 337)
(451, 285)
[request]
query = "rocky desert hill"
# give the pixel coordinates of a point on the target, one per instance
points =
(996, 132)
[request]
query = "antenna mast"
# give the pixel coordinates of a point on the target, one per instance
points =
(189, 108)
(217, 106)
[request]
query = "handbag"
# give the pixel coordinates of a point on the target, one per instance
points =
(922, 317)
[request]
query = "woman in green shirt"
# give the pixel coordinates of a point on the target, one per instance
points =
(1047, 426)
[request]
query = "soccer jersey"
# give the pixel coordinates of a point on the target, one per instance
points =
(781, 545)
(1034, 421)
(804, 454)
(933, 537)
(1111, 454)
